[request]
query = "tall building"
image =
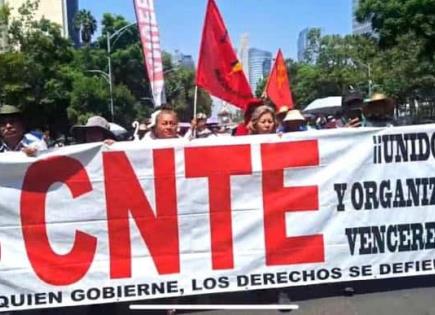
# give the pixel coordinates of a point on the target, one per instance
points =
(302, 43)
(181, 60)
(260, 64)
(359, 28)
(61, 12)
(243, 53)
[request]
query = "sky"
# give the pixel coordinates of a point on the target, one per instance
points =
(271, 24)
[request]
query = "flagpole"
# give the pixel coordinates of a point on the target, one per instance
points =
(195, 99)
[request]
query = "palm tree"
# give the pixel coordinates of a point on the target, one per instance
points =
(86, 24)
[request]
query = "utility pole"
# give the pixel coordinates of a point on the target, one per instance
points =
(369, 75)
(109, 62)
(109, 37)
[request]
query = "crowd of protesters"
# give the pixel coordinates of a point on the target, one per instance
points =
(260, 117)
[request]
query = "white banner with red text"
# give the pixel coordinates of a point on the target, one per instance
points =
(91, 223)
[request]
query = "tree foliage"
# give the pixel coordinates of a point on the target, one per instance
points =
(391, 19)
(180, 90)
(59, 85)
(336, 62)
(261, 85)
(86, 24)
(333, 63)
(33, 70)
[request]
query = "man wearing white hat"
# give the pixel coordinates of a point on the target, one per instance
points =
(294, 121)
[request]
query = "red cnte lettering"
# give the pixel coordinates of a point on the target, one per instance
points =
(49, 266)
(218, 164)
(124, 195)
(277, 200)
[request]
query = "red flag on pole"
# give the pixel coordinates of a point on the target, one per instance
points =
(278, 86)
(219, 71)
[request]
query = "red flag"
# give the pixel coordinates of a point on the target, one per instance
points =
(219, 71)
(278, 86)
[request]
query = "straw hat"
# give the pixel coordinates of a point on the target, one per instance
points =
(9, 110)
(379, 104)
(294, 115)
(94, 122)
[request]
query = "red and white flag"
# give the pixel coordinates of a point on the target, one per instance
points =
(149, 35)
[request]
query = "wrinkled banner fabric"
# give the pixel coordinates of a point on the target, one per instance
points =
(92, 224)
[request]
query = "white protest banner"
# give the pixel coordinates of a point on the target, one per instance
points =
(95, 224)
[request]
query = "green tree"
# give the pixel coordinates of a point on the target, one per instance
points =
(408, 78)
(5, 13)
(37, 80)
(306, 80)
(180, 90)
(261, 85)
(52, 81)
(89, 96)
(110, 24)
(86, 24)
(398, 70)
(125, 110)
(391, 19)
(128, 69)
(128, 66)
(313, 45)
(335, 63)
